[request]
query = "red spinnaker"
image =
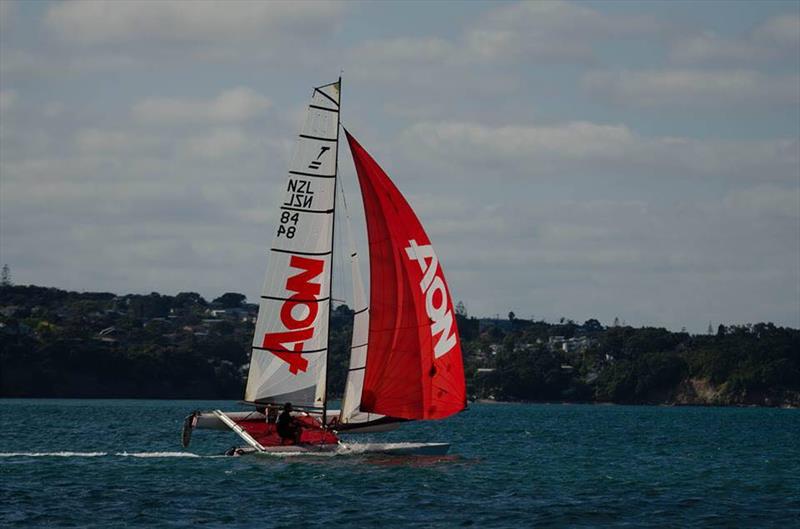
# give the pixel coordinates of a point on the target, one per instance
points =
(414, 366)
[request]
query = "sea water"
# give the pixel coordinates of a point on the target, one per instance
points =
(119, 463)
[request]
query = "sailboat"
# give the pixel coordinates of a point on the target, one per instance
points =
(405, 355)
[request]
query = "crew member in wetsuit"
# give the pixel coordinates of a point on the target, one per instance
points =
(288, 429)
(272, 415)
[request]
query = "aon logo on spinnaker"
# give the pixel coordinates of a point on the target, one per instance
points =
(435, 305)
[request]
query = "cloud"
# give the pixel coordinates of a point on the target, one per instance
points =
(95, 22)
(60, 63)
(87, 36)
(531, 150)
(487, 200)
(8, 98)
(6, 13)
(694, 88)
(405, 50)
(536, 200)
(220, 143)
(550, 30)
(235, 105)
(576, 140)
(710, 47)
(781, 30)
(665, 265)
(776, 38)
(764, 201)
(98, 141)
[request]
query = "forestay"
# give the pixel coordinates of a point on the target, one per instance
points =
(291, 336)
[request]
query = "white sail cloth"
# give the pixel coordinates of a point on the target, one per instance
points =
(290, 343)
(351, 401)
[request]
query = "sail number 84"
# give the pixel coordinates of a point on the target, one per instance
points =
(288, 224)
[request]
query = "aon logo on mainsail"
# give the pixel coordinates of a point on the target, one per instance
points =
(298, 314)
(436, 305)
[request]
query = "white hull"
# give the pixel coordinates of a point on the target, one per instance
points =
(403, 449)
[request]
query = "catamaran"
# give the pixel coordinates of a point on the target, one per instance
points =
(405, 354)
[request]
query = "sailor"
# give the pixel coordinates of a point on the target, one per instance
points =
(288, 429)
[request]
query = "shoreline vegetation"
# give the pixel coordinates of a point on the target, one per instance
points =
(60, 344)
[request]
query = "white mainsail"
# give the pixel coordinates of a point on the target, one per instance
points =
(290, 343)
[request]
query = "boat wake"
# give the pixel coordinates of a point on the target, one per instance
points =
(53, 454)
(348, 449)
(357, 449)
(100, 454)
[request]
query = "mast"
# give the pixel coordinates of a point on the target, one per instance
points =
(330, 272)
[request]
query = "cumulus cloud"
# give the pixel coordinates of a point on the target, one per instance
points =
(764, 201)
(688, 262)
(7, 100)
(535, 198)
(782, 30)
(235, 105)
(6, 13)
(550, 30)
(553, 31)
(694, 88)
(93, 21)
(404, 50)
(219, 143)
(60, 63)
(710, 47)
(576, 140)
(590, 147)
(776, 38)
(86, 36)
(107, 142)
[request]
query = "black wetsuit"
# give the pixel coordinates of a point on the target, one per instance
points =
(286, 427)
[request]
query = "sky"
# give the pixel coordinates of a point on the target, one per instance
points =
(604, 160)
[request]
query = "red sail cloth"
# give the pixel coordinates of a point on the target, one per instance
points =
(414, 366)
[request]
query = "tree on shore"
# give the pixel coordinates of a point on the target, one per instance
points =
(231, 300)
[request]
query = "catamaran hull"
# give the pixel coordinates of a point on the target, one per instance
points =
(209, 421)
(213, 421)
(399, 449)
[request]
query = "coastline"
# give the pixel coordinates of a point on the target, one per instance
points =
(490, 402)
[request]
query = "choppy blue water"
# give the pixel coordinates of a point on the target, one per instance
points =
(118, 463)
